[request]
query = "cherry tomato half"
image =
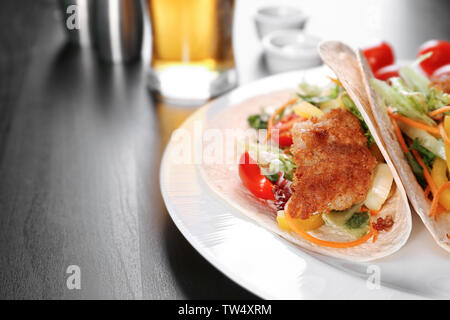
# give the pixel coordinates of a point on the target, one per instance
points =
(387, 72)
(442, 71)
(252, 178)
(379, 55)
(440, 56)
(441, 78)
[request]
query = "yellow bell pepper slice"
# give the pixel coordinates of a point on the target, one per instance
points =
(307, 110)
(331, 104)
(447, 148)
(313, 222)
(439, 176)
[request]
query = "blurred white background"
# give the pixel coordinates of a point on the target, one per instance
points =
(356, 22)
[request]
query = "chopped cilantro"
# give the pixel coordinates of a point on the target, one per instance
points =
(416, 168)
(257, 121)
(273, 177)
(350, 106)
(357, 220)
(427, 156)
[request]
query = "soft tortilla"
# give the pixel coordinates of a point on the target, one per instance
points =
(438, 228)
(224, 180)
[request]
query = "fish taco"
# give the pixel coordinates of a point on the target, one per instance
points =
(314, 174)
(412, 111)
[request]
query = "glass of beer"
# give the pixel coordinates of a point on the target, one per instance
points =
(192, 50)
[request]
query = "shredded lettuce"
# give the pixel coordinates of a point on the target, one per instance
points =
(417, 99)
(317, 95)
(414, 79)
(350, 106)
(400, 101)
(436, 146)
(411, 94)
(436, 99)
(308, 89)
(272, 161)
(433, 98)
(283, 163)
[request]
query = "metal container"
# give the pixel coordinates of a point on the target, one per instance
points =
(117, 27)
(77, 15)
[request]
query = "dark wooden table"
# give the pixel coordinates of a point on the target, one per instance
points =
(80, 147)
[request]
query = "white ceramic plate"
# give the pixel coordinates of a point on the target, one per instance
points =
(270, 266)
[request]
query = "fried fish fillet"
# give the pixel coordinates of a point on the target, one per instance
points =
(334, 164)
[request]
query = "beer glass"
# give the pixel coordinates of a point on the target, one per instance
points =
(192, 51)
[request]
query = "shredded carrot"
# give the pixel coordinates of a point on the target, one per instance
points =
(448, 236)
(419, 159)
(333, 244)
(444, 134)
(288, 125)
(336, 81)
(271, 121)
(399, 135)
(426, 173)
(414, 123)
(439, 111)
(372, 212)
(435, 202)
(439, 210)
(375, 234)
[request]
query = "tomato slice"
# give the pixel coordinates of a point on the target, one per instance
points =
(252, 178)
(440, 56)
(387, 72)
(379, 55)
(285, 139)
(284, 127)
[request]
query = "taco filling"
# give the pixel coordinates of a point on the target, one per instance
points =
(334, 164)
(319, 168)
(419, 110)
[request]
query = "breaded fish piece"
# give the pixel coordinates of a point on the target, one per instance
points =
(334, 164)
